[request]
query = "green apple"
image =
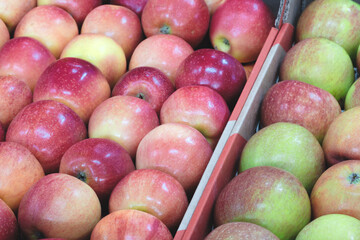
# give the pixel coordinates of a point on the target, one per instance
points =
(352, 98)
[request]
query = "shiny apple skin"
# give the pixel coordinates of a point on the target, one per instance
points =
(11, 12)
(135, 6)
(4, 33)
(47, 128)
(9, 227)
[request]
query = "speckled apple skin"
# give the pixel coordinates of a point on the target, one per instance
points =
(352, 98)
(47, 128)
(135, 6)
(11, 12)
(9, 229)
(5, 35)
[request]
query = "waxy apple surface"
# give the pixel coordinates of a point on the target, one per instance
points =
(4, 33)
(11, 12)
(135, 6)
(9, 227)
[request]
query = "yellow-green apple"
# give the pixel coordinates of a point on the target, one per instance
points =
(162, 51)
(47, 128)
(213, 5)
(186, 19)
(200, 107)
(352, 98)
(124, 119)
(300, 103)
(74, 82)
(240, 230)
(177, 149)
(4, 33)
(51, 25)
(320, 62)
(59, 206)
(19, 171)
(267, 196)
(99, 162)
(11, 12)
(9, 227)
(135, 6)
(25, 58)
(117, 22)
(14, 96)
(331, 227)
(338, 21)
(151, 191)
(357, 62)
(147, 83)
(130, 224)
(240, 28)
(341, 140)
(78, 9)
(100, 50)
(215, 69)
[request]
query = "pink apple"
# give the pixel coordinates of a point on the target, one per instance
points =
(59, 206)
(135, 6)
(240, 28)
(11, 12)
(215, 69)
(130, 224)
(47, 128)
(162, 51)
(4, 33)
(25, 58)
(51, 25)
(177, 149)
(74, 82)
(124, 119)
(352, 98)
(186, 19)
(9, 227)
(146, 83)
(117, 22)
(101, 163)
(213, 5)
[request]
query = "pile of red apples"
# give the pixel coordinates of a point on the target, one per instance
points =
(110, 110)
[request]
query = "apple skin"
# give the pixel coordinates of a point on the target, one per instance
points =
(11, 12)
(357, 63)
(338, 21)
(74, 82)
(300, 103)
(135, 6)
(25, 58)
(4, 33)
(240, 28)
(124, 119)
(214, 69)
(101, 163)
(9, 227)
(117, 22)
(59, 206)
(319, 62)
(151, 191)
(352, 98)
(100, 50)
(213, 5)
(147, 83)
(130, 224)
(50, 25)
(162, 51)
(47, 128)
(260, 195)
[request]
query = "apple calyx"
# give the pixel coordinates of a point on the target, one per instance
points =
(354, 178)
(165, 29)
(222, 44)
(38, 235)
(82, 176)
(140, 95)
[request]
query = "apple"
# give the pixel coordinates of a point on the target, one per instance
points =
(200, 107)
(135, 6)
(14, 96)
(213, 5)
(2, 133)
(319, 62)
(101, 163)
(147, 83)
(11, 12)
(240, 28)
(300, 103)
(357, 61)
(4, 33)
(74, 82)
(124, 119)
(338, 21)
(186, 19)
(162, 51)
(352, 98)
(130, 224)
(47, 128)
(51, 25)
(267, 196)
(25, 58)
(117, 22)
(151, 191)
(331, 227)
(59, 206)
(215, 69)
(9, 227)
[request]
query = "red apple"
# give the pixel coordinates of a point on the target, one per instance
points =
(240, 28)
(214, 69)
(186, 19)
(9, 227)
(146, 83)
(59, 206)
(51, 25)
(47, 128)
(25, 58)
(117, 22)
(130, 224)
(11, 12)
(101, 163)
(177, 149)
(135, 6)
(4, 33)
(213, 5)
(74, 82)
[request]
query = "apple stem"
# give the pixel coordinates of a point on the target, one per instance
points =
(354, 178)
(140, 95)
(81, 176)
(165, 29)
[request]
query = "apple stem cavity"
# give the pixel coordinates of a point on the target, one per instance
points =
(140, 95)
(39, 235)
(81, 176)
(354, 178)
(165, 29)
